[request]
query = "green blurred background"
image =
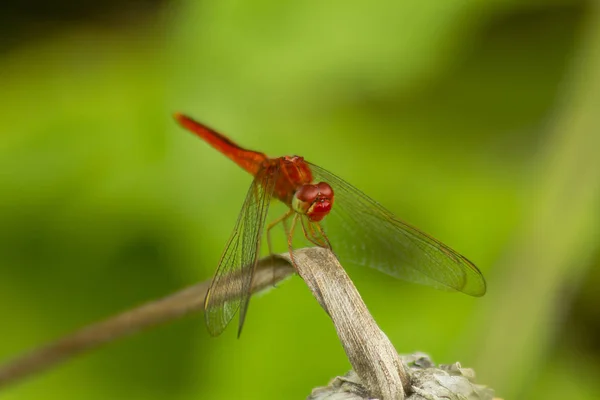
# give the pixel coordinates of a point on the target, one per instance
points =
(477, 121)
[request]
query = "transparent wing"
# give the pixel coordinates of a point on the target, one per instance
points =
(363, 232)
(230, 287)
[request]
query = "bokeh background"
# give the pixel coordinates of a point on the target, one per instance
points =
(477, 121)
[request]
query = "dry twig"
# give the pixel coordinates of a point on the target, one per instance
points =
(189, 300)
(377, 366)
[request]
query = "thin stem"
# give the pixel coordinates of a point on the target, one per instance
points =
(186, 301)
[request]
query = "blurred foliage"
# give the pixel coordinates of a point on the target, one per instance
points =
(446, 112)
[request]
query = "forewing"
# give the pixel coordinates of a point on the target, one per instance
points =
(363, 232)
(230, 289)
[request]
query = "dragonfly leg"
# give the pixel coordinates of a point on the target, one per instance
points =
(283, 220)
(324, 236)
(285, 227)
(290, 239)
(315, 235)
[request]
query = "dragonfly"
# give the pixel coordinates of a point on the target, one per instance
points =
(322, 205)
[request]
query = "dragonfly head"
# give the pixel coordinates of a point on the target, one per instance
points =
(313, 200)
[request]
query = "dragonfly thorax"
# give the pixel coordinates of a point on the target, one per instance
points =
(313, 200)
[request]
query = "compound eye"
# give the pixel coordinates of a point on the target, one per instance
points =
(325, 190)
(307, 193)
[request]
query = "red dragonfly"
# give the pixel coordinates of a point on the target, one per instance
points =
(372, 235)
